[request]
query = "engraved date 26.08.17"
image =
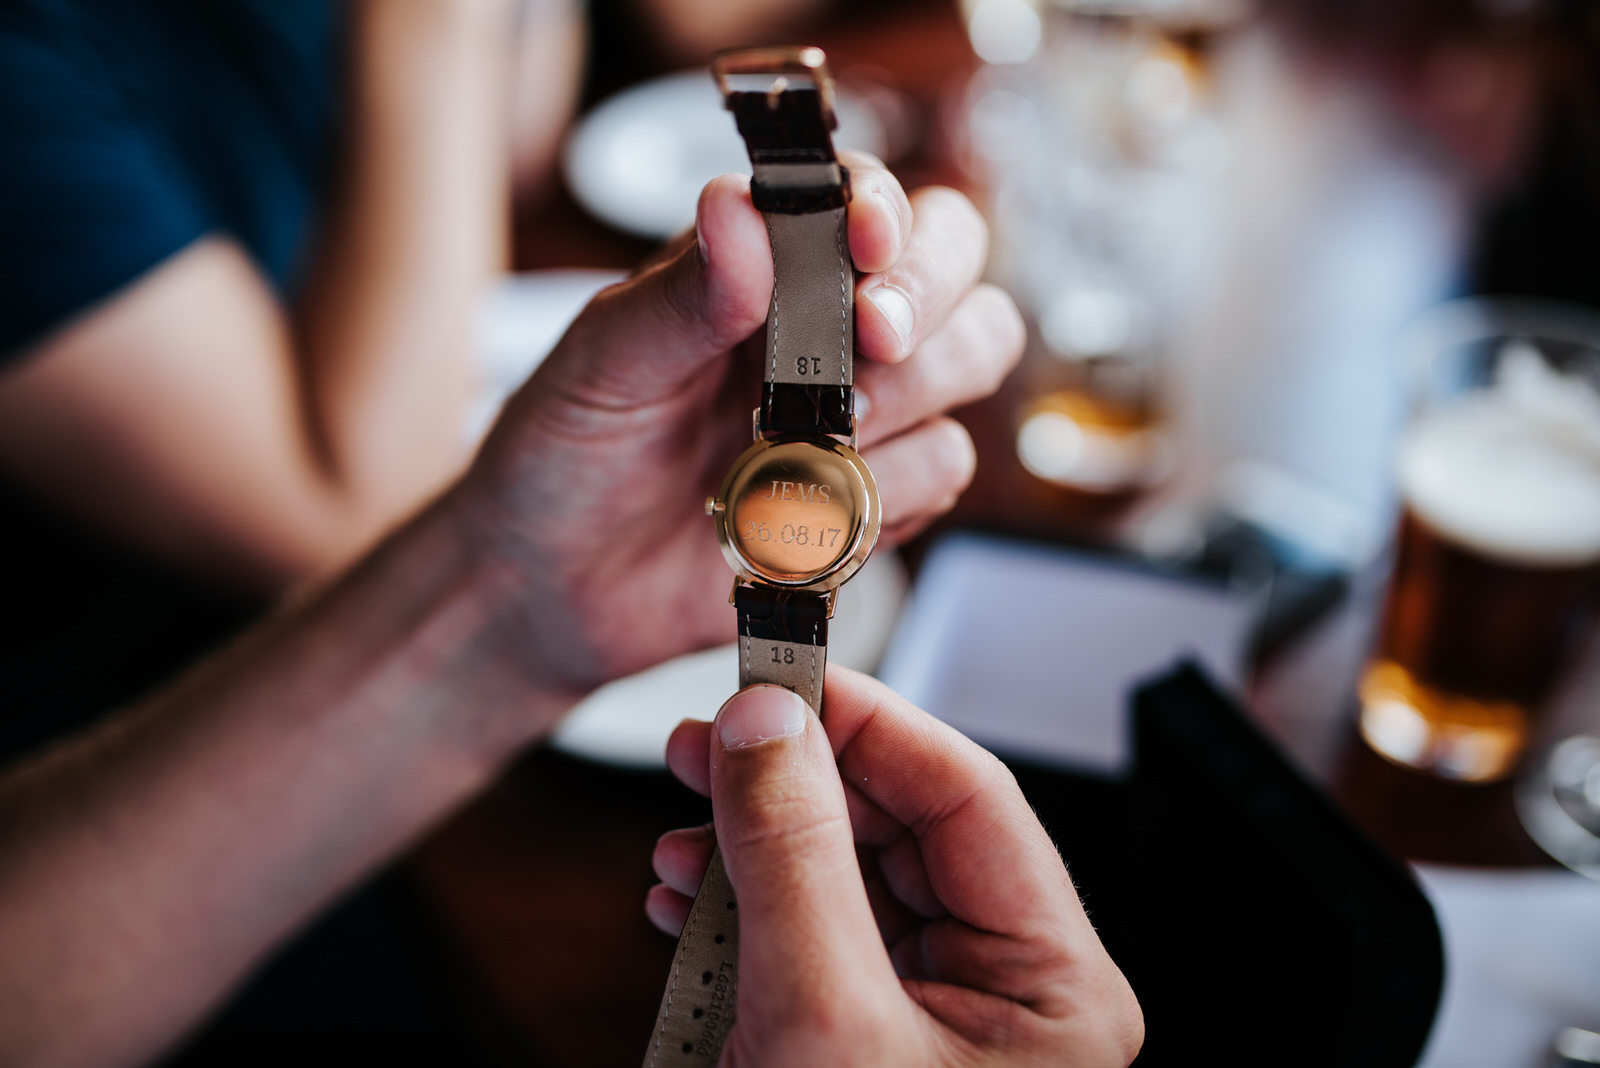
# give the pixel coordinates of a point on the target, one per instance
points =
(790, 534)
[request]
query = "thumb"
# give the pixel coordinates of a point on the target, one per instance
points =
(807, 939)
(642, 339)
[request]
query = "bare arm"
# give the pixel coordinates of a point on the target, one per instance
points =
(144, 868)
(551, 45)
(147, 866)
(191, 414)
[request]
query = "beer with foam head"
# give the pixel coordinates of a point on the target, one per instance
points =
(1499, 550)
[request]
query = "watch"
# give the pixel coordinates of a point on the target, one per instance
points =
(798, 513)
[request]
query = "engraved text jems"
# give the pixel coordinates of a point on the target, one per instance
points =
(811, 493)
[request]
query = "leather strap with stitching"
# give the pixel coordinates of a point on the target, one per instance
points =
(783, 639)
(803, 192)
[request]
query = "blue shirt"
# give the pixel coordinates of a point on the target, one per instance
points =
(130, 128)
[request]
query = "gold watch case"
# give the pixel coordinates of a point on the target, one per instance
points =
(798, 512)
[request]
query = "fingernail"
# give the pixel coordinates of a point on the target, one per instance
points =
(895, 306)
(863, 405)
(760, 714)
(700, 243)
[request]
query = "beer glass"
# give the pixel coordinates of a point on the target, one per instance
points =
(1558, 800)
(1499, 544)
(1094, 132)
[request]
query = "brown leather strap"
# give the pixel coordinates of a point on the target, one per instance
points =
(783, 639)
(803, 191)
(697, 1008)
(809, 371)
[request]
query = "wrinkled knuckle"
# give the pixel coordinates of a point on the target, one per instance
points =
(794, 820)
(1109, 1049)
(1130, 1038)
(973, 334)
(1132, 1041)
(959, 453)
(1108, 1021)
(960, 212)
(1010, 332)
(989, 772)
(842, 1023)
(988, 339)
(946, 198)
(683, 300)
(995, 779)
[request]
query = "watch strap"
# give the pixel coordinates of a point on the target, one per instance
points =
(809, 373)
(803, 192)
(783, 639)
(697, 1008)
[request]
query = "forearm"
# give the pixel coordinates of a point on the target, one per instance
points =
(551, 43)
(417, 229)
(145, 867)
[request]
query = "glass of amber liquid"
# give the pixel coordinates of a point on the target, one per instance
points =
(1499, 544)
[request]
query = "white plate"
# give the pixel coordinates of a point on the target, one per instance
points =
(639, 160)
(627, 722)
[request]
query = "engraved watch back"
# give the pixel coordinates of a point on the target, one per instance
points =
(798, 512)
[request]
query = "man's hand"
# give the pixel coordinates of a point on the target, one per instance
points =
(591, 488)
(899, 903)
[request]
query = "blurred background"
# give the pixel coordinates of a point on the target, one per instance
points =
(1311, 399)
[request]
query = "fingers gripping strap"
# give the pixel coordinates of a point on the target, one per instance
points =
(783, 639)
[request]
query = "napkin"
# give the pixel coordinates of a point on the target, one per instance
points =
(1033, 650)
(1522, 962)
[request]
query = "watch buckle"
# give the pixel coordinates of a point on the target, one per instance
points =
(809, 61)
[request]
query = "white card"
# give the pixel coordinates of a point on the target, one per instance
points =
(1034, 651)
